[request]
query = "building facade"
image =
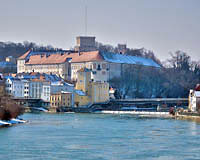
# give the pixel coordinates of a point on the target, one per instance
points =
(104, 66)
(61, 99)
(15, 87)
(44, 62)
(85, 44)
(87, 91)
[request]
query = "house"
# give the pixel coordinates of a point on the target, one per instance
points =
(61, 99)
(14, 87)
(45, 62)
(63, 87)
(40, 88)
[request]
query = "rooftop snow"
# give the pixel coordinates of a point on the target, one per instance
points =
(126, 59)
(80, 93)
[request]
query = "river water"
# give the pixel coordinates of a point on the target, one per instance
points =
(99, 137)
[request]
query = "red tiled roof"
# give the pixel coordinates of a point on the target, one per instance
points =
(87, 57)
(25, 55)
(51, 59)
(61, 58)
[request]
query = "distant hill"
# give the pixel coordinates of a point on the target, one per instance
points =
(17, 49)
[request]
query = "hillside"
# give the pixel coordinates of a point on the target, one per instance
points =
(17, 49)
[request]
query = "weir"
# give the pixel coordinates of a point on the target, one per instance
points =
(161, 103)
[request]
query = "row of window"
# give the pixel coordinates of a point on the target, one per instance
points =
(58, 99)
(55, 67)
(58, 104)
(94, 66)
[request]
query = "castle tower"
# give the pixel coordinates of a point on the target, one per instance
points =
(85, 44)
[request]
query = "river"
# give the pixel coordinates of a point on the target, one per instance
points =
(99, 137)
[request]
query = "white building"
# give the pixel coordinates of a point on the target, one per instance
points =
(39, 89)
(104, 66)
(26, 88)
(45, 62)
(194, 100)
(15, 87)
(46, 92)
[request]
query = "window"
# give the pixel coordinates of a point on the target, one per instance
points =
(94, 66)
(99, 67)
(104, 66)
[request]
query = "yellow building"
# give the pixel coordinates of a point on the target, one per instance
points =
(84, 80)
(99, 92)
(81, 99)
(61, 99)
(87, 91)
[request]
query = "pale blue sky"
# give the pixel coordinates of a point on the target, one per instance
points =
(158, 25)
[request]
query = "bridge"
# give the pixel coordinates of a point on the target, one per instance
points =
(163, 103)
(169, 102)
(152, 100)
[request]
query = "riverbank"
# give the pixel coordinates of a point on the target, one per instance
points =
(188, 116)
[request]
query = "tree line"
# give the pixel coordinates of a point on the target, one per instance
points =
(173, 80)
(17, 49)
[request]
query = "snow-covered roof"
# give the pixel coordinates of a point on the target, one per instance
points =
(47, 77)
(126, 59)
(12, 78)
(58, 83)
(80, 93)
(65, 92)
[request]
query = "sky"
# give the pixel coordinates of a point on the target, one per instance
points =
(162, 26)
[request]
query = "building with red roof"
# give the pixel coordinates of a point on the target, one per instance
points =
(103, 66)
